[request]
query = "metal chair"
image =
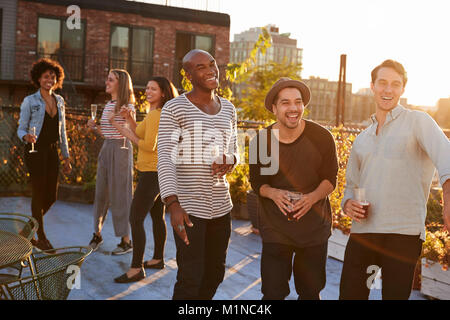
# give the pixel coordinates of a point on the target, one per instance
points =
(54, 278)
(21, 224)
(18, 223)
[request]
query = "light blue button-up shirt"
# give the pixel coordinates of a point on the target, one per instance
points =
(396, 168)
(32, 113)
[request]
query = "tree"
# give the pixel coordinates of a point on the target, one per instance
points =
(258, 81)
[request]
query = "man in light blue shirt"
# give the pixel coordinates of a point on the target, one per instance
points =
(394, 160)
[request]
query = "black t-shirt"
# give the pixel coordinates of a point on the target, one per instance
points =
(303, 165)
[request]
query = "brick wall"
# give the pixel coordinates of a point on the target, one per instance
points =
(98, 35)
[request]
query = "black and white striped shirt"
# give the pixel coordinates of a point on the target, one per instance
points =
(186, 137)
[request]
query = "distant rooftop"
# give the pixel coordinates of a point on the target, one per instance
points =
(204, 5)
(162, 9)
(252, 35)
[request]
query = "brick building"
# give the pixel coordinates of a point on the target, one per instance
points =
(145, 39)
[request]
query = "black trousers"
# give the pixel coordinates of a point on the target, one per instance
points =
(43, 167)
(201, 264)
(395, 254)
(309, 269)
(147, 198)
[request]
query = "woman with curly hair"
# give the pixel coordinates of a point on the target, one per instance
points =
(114, 181)
(43, 123)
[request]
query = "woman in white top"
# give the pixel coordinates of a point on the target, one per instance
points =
(114, 181)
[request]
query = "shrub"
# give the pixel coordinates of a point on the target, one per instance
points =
(344, 141)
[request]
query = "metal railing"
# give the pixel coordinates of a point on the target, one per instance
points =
(13, 172)
(85, 67)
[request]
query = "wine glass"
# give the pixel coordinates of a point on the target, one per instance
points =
(216, 157)
(124, 138)
(33, 132)
(93, 111)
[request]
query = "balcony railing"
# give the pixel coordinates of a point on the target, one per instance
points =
(85, 68)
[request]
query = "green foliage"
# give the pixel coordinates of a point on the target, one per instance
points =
(344, 141)
(185, 83)
(141, 104)
(437, 245)
(262, 78)
(237, 72)
(239, 183)
(434, 208)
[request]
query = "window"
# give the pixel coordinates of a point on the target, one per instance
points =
(57, 42)
(185, 42)
(132, 49)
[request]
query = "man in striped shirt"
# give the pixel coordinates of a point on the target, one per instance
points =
(197, 146)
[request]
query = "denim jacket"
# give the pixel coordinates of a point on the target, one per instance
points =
(32, 113)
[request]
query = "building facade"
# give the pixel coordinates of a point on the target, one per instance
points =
(145, 39)
(322, 107)
(283, 49)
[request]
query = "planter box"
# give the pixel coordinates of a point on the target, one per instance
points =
(239, 211)
(253, 208)
(336, 244)
(435, 281)
(75, 194)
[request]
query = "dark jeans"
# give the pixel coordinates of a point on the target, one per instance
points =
(309, 270)
(201, 264)
(43, 167)
(147, 198)
(395, 254)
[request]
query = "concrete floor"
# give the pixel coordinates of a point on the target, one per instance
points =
(71, 224)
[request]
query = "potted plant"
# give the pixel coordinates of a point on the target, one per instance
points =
(239, 185)
(253, 208)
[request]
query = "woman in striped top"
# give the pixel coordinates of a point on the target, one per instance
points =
(159, 90)
(114, 182)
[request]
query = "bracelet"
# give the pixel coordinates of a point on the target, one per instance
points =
(171, 202)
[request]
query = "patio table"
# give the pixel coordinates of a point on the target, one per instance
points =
(13, 249)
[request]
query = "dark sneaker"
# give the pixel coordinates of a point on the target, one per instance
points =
(122, 248)
(95, 242)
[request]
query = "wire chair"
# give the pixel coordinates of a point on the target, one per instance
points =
(18, 223)
(23, 225)
(55, 276)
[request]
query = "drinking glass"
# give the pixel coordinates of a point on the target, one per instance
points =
(33, 132)
(294, 196)
(360, 196)
(124, 138)
(216, 157)
(93, 111)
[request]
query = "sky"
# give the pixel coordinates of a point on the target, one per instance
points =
(415, 33)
